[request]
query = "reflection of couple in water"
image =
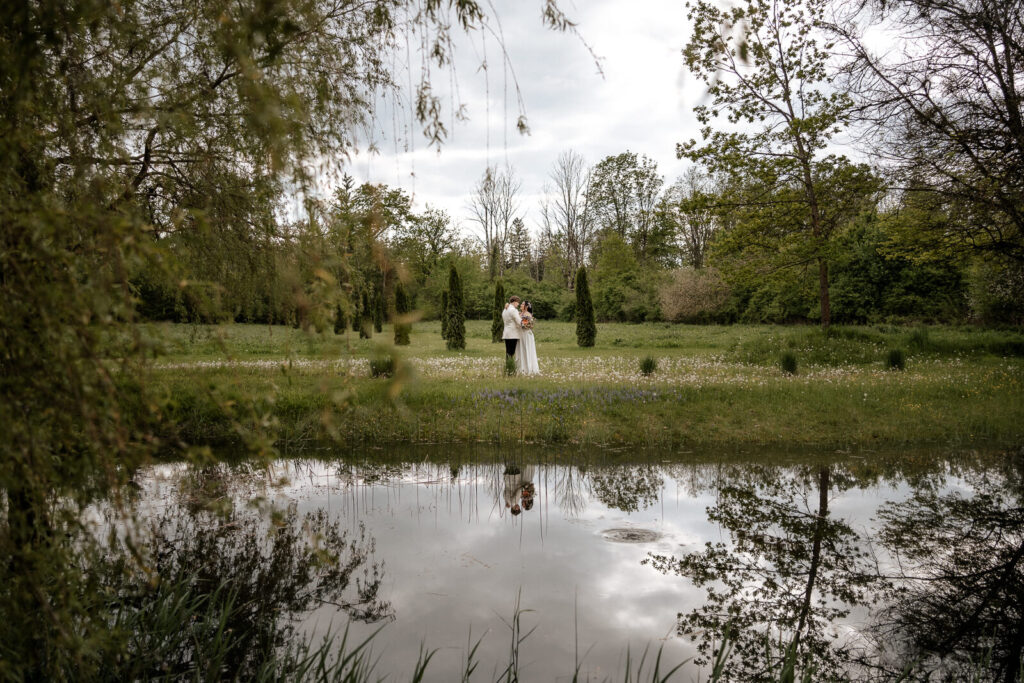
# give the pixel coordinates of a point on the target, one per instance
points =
(519, 487)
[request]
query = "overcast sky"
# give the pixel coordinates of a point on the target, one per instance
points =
(642, 103)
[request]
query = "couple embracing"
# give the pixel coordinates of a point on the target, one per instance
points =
(518, 335)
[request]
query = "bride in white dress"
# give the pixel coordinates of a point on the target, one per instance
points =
(526, 351)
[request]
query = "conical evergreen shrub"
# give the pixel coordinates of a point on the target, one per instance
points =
(497, 324)
(378, 311)
(402, 327)
(340, 321)
(456, 311)
(586, 327)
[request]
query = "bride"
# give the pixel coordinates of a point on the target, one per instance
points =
(526, 352)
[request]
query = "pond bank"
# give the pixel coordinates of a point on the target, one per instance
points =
(937, 404)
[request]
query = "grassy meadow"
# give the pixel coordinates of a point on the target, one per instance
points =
(713, 386)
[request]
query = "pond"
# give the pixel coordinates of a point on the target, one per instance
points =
(554, 564)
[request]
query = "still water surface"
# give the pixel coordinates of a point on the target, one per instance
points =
(588, 548)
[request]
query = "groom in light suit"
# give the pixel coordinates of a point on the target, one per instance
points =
(510, 316)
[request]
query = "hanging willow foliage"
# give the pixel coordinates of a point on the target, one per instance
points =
(133, 134)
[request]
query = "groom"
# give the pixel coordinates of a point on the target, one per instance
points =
(510, 316)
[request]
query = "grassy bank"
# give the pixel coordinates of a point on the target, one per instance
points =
(713, 386)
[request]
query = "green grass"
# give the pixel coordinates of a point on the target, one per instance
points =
(714, 386)
(760, 344)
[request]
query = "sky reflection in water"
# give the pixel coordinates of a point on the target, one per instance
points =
(456, 558)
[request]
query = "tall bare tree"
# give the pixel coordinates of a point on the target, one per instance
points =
(565, 211)
(686, 206)
(494, 206)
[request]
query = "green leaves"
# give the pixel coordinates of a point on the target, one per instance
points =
(147, 149)
(762, 63)
(455, 311)
(781, 112)
(586, 327)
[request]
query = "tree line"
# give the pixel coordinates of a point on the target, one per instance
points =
(708, 247)
(769, 224)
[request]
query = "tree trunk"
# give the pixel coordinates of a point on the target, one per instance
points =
(826, 306)
(824, 477)
(22, 513)
(819, 237)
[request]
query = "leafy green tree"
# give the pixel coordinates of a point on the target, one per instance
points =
(423, 240)
(766, 67)
(402, 310)
(378, 311)
(623, 289)
(520, 245)
(996, 291)
(548, 298)
(497, 324)
(876, 278)
(353, 240)
(622, 197)
(768, 255)
(456, 311)
(553, 260)
(340, 321)
(586, 327)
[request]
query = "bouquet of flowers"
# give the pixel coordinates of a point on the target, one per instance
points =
(527, 322)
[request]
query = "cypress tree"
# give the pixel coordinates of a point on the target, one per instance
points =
(456, 311)
(340, 322)
(402, 328)
(378, 311)
(586, 328)
(444, 314)
(497, 324)
(365, 318)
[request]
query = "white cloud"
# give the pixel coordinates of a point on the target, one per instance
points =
(643, 103)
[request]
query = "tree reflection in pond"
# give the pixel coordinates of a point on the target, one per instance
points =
(629, 488)
(782, 564)
(570, 491)
(236, 587)
(959, 599)
(787, 573)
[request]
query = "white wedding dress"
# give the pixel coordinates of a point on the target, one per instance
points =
(526, 354)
